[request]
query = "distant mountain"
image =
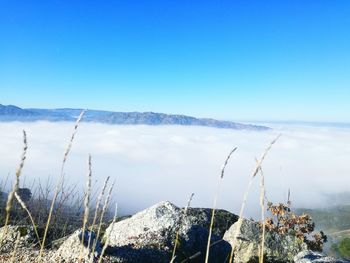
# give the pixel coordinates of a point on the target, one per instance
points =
(14, 113)
(330, 219)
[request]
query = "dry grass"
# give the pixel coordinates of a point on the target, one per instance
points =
(61, 196)
(180, 225)
(215, 202)
(60, 181)
(245, 195)
(262, 205)
(104, 209)
(109, 234)
(11, 195)
(98, 202)
(87, 199)
(86, 203)
(23, 205)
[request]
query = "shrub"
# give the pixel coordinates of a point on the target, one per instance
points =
(344, 248)
(284, 221)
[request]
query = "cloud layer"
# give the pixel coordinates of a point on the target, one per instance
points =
(154, 163)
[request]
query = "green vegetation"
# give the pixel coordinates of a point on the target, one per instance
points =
(330, 219)
(335, 221)
(342, 248)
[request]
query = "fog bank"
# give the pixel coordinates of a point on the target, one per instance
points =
(154, 163)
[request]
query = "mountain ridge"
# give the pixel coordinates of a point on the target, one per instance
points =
(15, 113)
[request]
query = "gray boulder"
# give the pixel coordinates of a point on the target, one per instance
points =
(278, 248)
(9, 235)
(73, 250)
(308, 256)
(149, 235)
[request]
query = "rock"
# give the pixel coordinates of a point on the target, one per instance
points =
(25, 194)
(278, 248)
(72, 249)
(223, 219)
(25, 251)
(8, 237)
(29, 255)
(308, 256)
(55, 244)
(149, 235)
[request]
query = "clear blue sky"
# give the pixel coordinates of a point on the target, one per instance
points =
(261, 60)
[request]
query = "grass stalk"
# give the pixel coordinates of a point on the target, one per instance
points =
(262, 205)
(104, 209)
(180, 225)
(245, 195)
(109, 234)
(60, 181)
(215, 203)
(97, 208)
(11, 195)
(86, 204)
(23, 205)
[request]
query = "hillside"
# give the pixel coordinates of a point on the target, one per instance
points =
(14, 113)
(331, 219)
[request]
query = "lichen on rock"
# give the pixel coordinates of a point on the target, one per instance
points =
(73, 250)
(278, 248)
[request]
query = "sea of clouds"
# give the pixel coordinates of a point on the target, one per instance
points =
(154, 163)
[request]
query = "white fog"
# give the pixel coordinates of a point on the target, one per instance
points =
(155, 163)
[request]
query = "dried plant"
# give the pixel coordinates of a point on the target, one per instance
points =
(86, 204)
(284, 221)
(87, 199)
(262, 205)
(245, 195)
(109, 234)
(23, 205)
(104, 209)
(11, 195)
(16, 183)
(60, 181)
(183, 217)
(215, 202)
(98, 202)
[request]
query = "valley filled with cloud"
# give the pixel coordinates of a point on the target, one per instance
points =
(154, 163)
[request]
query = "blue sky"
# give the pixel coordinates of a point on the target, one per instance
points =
(239, 60)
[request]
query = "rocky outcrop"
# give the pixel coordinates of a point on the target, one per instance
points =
(149, 237)
(73, 249)
(308, 256)
(150, 234)
(19, 236)
(278, 248)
